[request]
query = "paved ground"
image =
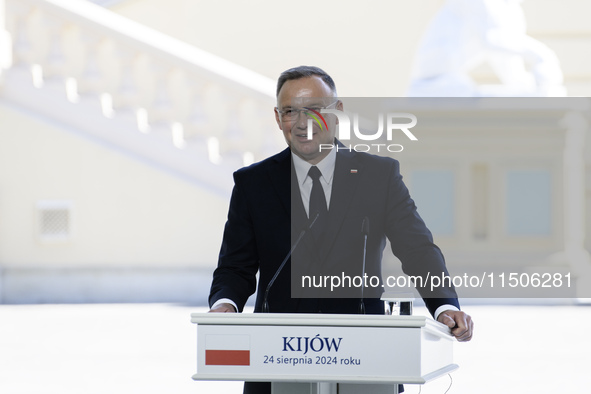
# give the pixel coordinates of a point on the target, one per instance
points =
(150, 348)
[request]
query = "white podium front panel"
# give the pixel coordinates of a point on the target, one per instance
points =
(329, 348)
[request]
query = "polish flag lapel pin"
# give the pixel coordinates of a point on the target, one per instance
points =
(353, 170)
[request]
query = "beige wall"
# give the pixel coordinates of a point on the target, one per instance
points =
(343, 37)
(269, 36)
(125, 213)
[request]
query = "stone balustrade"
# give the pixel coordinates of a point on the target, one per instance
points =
(137, 79)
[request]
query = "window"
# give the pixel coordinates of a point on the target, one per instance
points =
(434, 195)
(528, 203)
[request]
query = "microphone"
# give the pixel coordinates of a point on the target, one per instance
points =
(365, 232)
(295, 245)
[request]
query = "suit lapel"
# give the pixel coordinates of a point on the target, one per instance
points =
(344, 188)
(284, 181)
(279, 173)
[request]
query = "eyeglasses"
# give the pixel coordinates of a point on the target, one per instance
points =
(291, 114)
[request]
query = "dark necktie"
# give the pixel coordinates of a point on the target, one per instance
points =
(317, 202)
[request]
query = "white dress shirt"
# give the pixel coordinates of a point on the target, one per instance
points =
(326, 167)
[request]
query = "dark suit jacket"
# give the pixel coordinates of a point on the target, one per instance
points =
(266, 215)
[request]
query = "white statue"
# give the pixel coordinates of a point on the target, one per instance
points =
(466, 33)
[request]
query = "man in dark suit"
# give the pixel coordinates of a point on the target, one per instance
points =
(274, 199)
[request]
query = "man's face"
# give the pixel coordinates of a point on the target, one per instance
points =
(295, 95)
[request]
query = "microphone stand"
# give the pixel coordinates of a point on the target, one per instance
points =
(365, 231)
(265, 298)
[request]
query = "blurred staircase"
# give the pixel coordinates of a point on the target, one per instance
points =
(133, 89)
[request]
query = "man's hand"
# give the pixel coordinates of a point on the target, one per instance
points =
(227, 308)
(461, 324)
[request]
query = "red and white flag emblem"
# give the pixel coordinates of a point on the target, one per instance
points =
(227, 350)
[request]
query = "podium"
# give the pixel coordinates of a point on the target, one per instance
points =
(311, 353)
